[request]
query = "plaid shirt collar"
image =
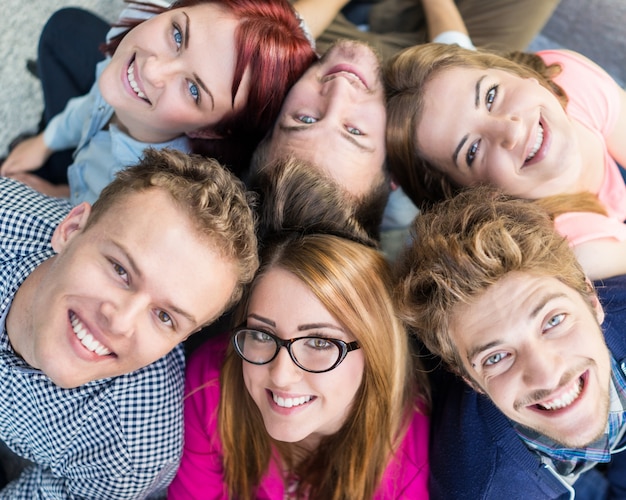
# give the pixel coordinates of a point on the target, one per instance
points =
(575, 460)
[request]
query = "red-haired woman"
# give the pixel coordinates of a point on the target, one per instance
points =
(206, 76)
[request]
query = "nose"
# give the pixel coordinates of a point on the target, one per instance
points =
(120, 314)
(506, 130)
(336, 92)
(542, 368)
(157, 71)
(283, 371)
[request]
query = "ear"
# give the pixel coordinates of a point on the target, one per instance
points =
(597, 307)
(73, 224)
(595, 303)
(203, 133)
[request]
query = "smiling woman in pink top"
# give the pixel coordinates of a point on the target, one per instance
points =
(534, 125)
(316, 394)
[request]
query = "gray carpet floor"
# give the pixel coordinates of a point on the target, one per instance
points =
(597, 28)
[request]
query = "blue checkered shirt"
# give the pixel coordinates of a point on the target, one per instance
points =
(573, 461)
(115, 438)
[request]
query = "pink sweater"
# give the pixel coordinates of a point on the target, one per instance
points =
(594, 101)
(200, 472)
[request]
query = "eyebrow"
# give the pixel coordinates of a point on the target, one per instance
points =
(301, 328)
(344, 135)
(262, 319)
(196, 77)
(136, 270)
(455, 155)
(472, 353)
(313, 326)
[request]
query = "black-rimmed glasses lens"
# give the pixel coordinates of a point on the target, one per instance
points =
(312, 354)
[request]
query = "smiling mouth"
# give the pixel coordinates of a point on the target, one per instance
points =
(290, 402)
(346, 72)
(86, 338)
(538, 144)
(564, 400)
(133, 83)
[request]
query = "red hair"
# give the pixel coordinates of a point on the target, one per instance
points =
(270, 42)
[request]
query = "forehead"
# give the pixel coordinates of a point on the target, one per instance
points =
(159, 241)
(283, 295)
(507, 308)
(151, 215)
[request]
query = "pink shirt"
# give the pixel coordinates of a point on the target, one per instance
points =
(594, 101)
(200, 472)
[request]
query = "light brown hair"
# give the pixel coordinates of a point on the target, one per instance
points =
(214, 199)
(353, 282)
(406, 76)
(368, 208)
(463, 246)
(294, 196)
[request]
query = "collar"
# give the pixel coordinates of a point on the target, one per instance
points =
(568, 461)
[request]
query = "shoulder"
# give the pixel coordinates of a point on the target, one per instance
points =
(474, 451)
(574, 66)
(27, 222)
(206, 361)
(156, 386)
(612, 295)
(19, 201)
(406, 475)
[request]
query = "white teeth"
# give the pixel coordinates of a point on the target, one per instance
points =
(353, 78)
(133, 83)
(86, 338)
(538, 143)
(565, 400)
(290, 402)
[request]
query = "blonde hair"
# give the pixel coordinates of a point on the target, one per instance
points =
(463, 246)
(214, 199)
(353, 282)
(406, 76)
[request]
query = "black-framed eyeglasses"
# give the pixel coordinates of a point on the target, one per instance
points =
(312, 354)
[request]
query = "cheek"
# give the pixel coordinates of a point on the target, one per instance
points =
(353, 376)
(251, 378)
(502, 394)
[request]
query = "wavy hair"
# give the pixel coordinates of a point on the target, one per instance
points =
(466, 244)
(214, 199)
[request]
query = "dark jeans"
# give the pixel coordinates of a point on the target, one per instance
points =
(67, 56)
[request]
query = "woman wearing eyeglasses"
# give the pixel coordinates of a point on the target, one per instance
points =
(317, 394)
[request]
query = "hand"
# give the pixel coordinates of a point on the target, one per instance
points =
(28, 155)
(42, 185)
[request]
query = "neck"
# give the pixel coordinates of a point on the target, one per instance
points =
(592, 156)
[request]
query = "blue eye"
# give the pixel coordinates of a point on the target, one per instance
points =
(490, 97)
(354, 131)
(306, 119)
(555, 320)
(495, 358)
(194, 91)
(471, 153)
(178, 36)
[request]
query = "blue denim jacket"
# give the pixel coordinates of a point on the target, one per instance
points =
(100, 151)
